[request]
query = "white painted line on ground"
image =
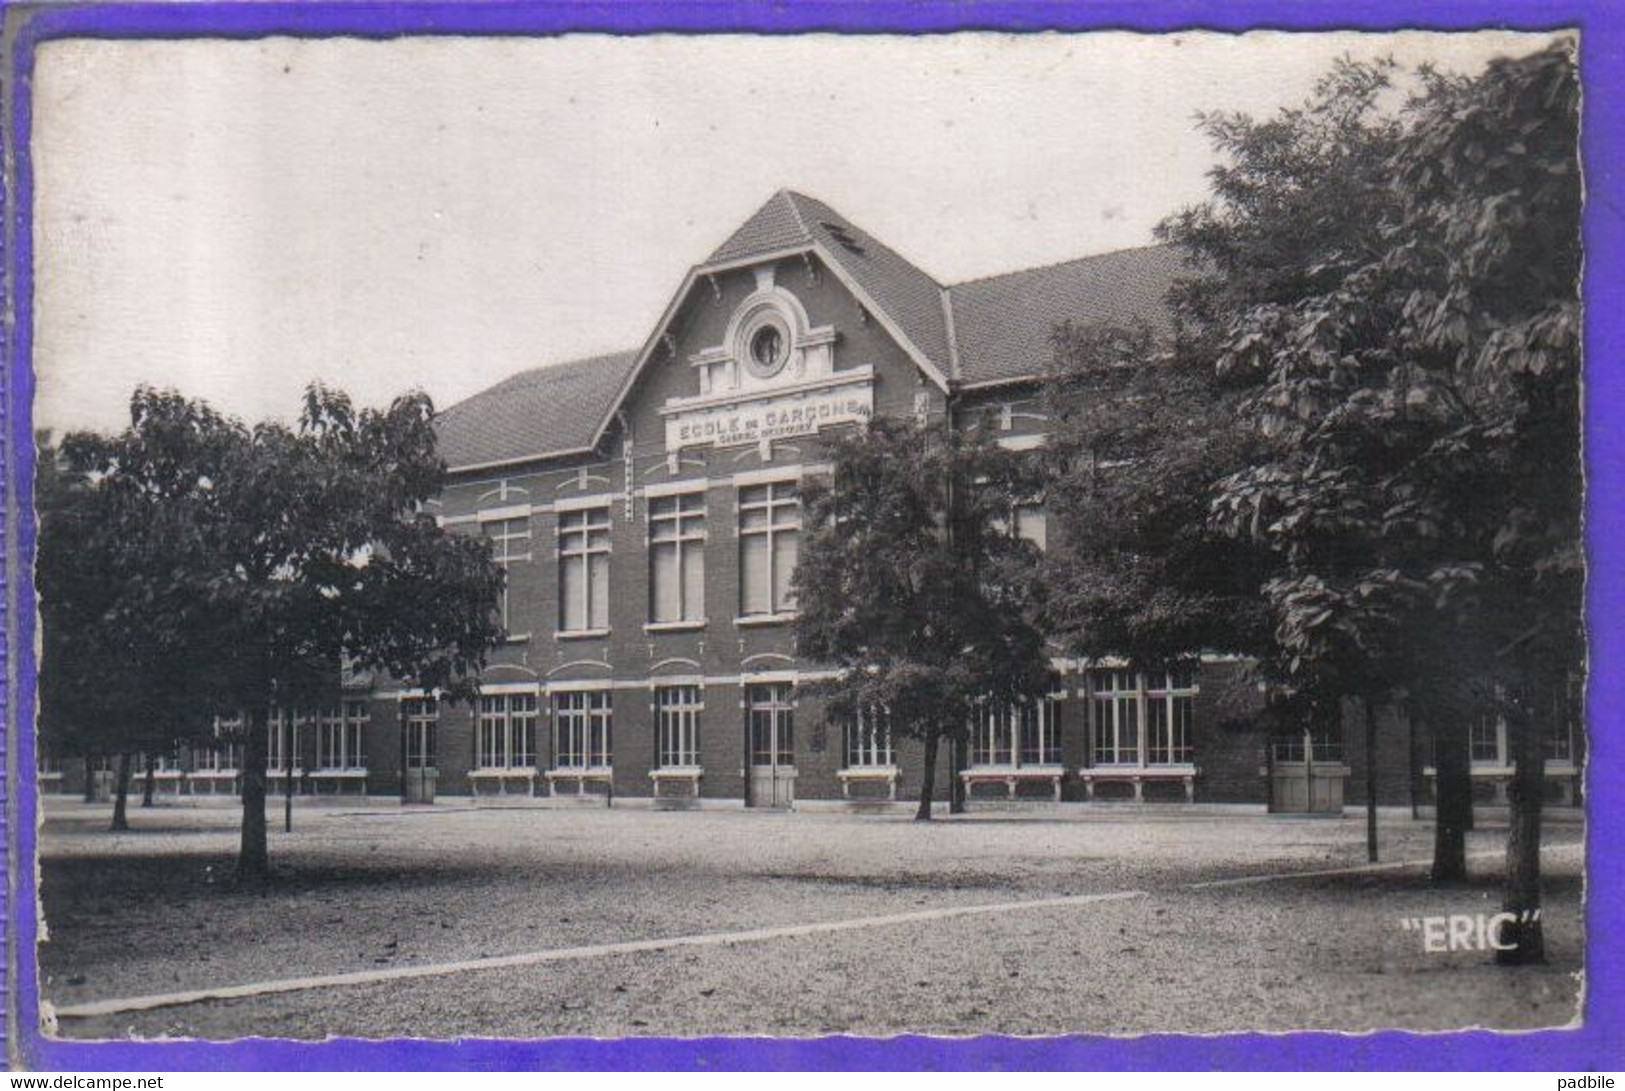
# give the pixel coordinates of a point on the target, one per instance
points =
(1248, 880)
(569, 954)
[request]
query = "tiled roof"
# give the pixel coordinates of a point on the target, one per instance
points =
(777, 225)
(543, 411)
(906, 294)
(1002, 328)
(1003, 324)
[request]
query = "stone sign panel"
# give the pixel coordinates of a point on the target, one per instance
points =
(738, 422)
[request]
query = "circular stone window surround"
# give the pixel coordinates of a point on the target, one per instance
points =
(766, 341)
(770, 310)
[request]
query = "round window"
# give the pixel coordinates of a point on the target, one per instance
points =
(768, 348)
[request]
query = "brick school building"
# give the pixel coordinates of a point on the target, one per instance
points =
(645, 507)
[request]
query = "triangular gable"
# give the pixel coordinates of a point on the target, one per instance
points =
(907, 302)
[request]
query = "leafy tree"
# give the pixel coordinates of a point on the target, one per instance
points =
(1491, 302)
(1139, 436)
(1414, 370)
(105, 689)
(296, 546)
(1295, 205)
(912, 583)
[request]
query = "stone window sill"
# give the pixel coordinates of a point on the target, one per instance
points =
(752, 621)
(675, 626)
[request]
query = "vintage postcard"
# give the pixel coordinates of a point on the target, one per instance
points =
(1073, 536)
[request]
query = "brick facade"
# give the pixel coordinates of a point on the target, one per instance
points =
(853, 324)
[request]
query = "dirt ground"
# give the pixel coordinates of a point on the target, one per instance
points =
(153, 911)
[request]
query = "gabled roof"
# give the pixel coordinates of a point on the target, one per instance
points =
(906, 294)
(986, 330)
(544, 411)
(777, 225)
(996, 329)
(1003, 325)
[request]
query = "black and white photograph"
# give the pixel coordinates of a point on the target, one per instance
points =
(799, 535)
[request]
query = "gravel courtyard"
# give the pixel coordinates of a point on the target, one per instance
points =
(377, 888)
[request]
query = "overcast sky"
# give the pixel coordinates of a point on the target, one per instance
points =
(235, 219)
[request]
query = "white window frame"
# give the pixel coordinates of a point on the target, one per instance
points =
(1136, 693)
(780, 502)
(677, 522)
(679, 710)
(505, 732)
(286, 727)
(868, 742)
(1487, 731)
(226, 755)
(776, 702)
(341, 737)
(505, 532)
(1110, 709)
(161, 763)
(586, 718)
(585, 534)
(998, 735)
(1558, 745)
(420, 719)
(1173, 692)
(1492, 726)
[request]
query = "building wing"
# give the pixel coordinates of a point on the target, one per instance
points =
(993, 330)
(1004, 325)
(545, 411)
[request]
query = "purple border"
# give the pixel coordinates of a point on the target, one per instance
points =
(1600, 1044)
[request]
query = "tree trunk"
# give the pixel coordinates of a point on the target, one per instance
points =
(287, 772)
(90, 779)
(121, 820)
(956, 783)
(147, 788)
(1452, 796)
(1522, 941)
(928, 782)
(1370, 778)
(253, 861)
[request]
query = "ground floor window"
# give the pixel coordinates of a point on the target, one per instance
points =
(226, 755)
(1170, 704)
(1115, 703)
(1488, 744)
(506, 731)
(420, 719)
(1019, 733)
(868, 740)
(581, 730)
(1564, 719)
(1142, 718)
(287, 730)
(677, 723)
(770, 713)
(341, 737)
(1486, 740)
